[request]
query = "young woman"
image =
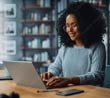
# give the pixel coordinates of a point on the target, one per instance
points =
(81, 58)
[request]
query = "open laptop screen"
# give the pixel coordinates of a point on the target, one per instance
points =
(24, 73)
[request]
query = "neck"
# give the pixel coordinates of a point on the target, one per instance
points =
(79, 43)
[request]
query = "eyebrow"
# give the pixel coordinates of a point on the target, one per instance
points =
(71, 23)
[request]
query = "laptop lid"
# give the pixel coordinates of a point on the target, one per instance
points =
(24, 73)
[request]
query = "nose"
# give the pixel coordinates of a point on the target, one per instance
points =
(70, 29)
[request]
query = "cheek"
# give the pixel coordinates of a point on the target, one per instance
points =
(67, 30)
(77, 32)
(78, 35)
(76, 29)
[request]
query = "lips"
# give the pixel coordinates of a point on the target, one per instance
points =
(72, 34)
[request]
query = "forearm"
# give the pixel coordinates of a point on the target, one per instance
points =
(74, 80)
(93, 78)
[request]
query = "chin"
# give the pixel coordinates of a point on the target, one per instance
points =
(73, 39)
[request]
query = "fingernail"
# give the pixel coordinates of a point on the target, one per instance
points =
(47, 84)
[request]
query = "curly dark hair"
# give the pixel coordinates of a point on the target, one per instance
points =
(90, 21)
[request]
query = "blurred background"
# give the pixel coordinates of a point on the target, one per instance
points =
(28, 30)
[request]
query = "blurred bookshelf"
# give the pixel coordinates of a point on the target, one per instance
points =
(36, 37)
(38, 34)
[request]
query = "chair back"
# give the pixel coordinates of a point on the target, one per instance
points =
(107, 77)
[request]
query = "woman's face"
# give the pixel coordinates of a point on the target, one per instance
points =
(72, 27)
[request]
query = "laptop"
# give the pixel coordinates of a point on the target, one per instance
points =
(24, 73)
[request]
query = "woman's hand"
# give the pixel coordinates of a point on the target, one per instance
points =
(45, 76)
(58, 82)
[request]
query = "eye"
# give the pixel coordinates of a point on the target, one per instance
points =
(75, 25)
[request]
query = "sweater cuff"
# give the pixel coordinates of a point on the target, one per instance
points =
(83, 80)
(53, 72)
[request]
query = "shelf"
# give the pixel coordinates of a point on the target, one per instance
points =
(37, 21)
(36, 35)
(39, 62)
(101, 6)
(36, 8)
(44, 49)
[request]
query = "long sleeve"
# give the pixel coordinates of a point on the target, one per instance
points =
(56, 67)
(96, 73)
(86, 63)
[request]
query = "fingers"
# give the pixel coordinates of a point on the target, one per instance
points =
(41, 75)
(49, 75)
(53, 80)
(63, 83)
(57, 82)
(45, 76)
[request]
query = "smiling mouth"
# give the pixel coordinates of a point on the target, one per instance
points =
(72, 35)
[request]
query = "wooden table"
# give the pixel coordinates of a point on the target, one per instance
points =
(29, 92)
